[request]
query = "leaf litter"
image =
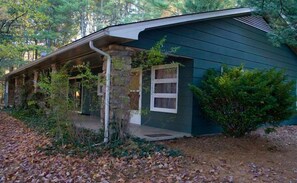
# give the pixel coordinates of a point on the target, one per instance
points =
(205, 159)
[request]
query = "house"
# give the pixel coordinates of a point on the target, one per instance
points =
(205, 40)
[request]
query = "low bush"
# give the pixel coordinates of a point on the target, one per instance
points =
(81, 141)
(34, 119)
(242, 100)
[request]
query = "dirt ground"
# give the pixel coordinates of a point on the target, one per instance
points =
(257, 158)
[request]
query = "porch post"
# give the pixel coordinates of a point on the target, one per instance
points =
(119, 90)
(6, 93)
(16, 82)
(54, 68)
(24, 79)
(17, 97)
(35, 80)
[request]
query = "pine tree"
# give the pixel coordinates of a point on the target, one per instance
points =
(195, 6)
(282, 17)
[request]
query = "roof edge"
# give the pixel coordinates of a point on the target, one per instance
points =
(131, 31)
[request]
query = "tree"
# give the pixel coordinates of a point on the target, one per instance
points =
(282, 17)
(17, 22)
(242, 100)
(62, 24)
(33, 27)
(112, 12)
(195, 6)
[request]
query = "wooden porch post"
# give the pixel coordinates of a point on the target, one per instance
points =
(54, 68)
(16, 83)
(24, 79)
(6, 94)
(35, 81)
(16, 92)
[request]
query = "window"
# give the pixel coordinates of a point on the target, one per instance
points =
(164, 88)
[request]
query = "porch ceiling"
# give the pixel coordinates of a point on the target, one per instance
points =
(92, 59)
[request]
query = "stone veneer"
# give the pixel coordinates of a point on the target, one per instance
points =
(119, 85)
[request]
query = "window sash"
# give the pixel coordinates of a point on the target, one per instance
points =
(164, 95)
(165, 73)
(170, 103)
(165, 88)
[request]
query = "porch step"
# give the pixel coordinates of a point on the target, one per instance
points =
(154, 134)
(157, 135)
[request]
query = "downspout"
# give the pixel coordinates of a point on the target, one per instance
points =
(107, 89)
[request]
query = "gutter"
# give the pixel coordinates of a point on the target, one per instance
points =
(107, 89)
(131, 31)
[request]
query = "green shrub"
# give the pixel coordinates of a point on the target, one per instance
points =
(135, 147)
(242, 100)
(34, 118)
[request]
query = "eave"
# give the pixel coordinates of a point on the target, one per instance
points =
(122, 33)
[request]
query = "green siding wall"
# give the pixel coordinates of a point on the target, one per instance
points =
(211, 44)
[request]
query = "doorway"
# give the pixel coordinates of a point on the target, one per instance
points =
(135, 96)
(75, 93)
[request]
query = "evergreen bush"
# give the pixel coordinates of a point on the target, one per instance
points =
(241, 100)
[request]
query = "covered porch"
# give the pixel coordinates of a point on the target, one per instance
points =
(126, 96)
(141, 131)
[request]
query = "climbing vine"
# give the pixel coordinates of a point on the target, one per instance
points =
(157, 55)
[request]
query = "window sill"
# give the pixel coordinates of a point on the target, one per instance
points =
(163, 110)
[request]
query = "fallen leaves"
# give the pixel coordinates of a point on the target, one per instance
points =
(21, 161)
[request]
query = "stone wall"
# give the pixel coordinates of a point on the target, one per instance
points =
(18, 88)
(11, 90)
(119, 89)
(18, 91)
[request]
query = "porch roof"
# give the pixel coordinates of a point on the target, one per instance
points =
(120, 34)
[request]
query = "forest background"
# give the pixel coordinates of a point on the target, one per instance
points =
(30, 29)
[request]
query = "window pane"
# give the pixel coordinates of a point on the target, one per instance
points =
(165, 88)
(166, 73)
(169, 103)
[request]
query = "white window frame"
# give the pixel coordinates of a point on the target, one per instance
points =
(163, 95)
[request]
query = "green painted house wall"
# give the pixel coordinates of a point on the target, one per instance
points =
(211, 44)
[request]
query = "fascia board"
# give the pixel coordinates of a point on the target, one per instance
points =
(131, 31)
